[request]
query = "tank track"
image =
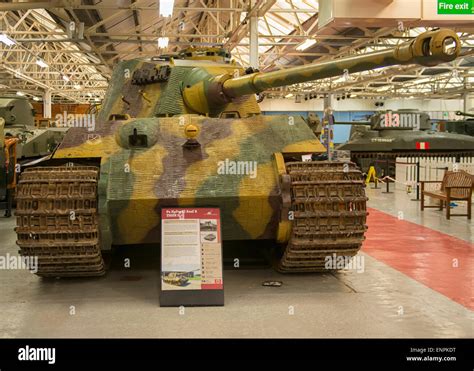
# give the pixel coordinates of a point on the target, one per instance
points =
(328, 202)
(363, 159)
(57, 220)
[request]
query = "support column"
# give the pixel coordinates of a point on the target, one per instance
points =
(328, 123)
(47, 104)
(253, 37)
(328, 101)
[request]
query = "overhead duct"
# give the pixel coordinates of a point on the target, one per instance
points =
(388, 13)
(366, 13)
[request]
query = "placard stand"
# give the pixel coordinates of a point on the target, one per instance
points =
(191, 257)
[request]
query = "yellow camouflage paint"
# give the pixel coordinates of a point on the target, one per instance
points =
(218, 150)
(306, 146)
(284, 226)
(139, 217)
(254, 211)
(100, 147)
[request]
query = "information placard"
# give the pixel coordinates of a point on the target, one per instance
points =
(191, 257)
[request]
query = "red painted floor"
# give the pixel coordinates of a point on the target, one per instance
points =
(423, 254)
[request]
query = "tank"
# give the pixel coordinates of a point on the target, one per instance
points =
(19, 117)
(22, 142)
(175, 278)
(186, 130)
(402, 133)
(464, 126)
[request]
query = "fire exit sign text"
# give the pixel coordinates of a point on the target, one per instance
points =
(455, 7)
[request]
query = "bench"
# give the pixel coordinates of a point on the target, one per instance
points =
(455, 186)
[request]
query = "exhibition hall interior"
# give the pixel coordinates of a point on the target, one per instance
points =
(236, 169)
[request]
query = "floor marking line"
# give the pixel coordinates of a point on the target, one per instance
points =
(423, 254)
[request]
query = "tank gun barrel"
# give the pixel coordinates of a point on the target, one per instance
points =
(428, 49)
(460, 113)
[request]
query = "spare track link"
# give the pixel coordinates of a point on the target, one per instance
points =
(57, 220)
(328, 204)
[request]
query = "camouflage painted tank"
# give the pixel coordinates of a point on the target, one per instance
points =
(186, 130)
(405, 133)
(175, 278)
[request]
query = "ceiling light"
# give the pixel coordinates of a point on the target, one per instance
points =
(41, 63)
(163, 42)
(166, 7)
(306, 44)
(289, 95)
(6, 40)
(77, 86)
(36, 99)
(20, 93)
(65, 78)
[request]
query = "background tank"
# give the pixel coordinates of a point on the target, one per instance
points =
(463, 126)
(7, 167)
(405, 133)
(22, 140)
(186, 130)
(19, 117)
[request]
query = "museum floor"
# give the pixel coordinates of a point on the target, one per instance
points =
(416, 282)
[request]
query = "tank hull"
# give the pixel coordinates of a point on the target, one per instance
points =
(233, 169)
(407, 140)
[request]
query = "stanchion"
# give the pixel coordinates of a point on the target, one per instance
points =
(387, 183)
(417, 181)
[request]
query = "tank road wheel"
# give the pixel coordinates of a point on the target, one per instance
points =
(328, 204)
(57, 220)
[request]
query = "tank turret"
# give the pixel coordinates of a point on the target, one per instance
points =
(204, 82)
(403, 119)
(203, 92)
(17, 111)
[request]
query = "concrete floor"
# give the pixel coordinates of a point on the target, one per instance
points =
(381, 302)
(400, 201)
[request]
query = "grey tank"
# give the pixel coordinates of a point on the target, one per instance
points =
(19, 121)
(463, 126)
(405, 131)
